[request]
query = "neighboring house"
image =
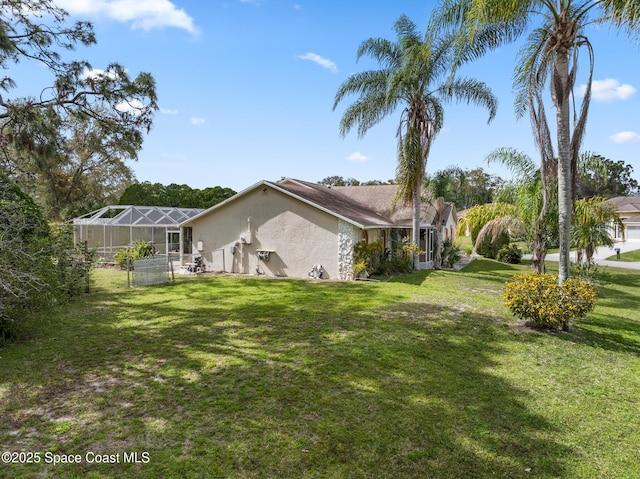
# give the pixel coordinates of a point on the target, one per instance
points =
(628, 208)
(284, 228)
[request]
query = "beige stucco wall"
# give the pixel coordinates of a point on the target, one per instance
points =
(449, 229)
(300, 236)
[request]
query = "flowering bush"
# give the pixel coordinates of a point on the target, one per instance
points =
(540, 299)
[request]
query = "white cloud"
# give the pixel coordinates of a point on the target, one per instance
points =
(323, 62)
(145, 15)
(167, 111)
(197, 121)
(359, 157)
(97, 73)
(625, 137)
(608, 90)
(134, 107)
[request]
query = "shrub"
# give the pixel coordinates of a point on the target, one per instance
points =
(510, 254)
(371, 254)
(360, 270)
(139, 249)
(451, 254)
(489, 246)
(540, 299)
(39, 268)
(398, 264)
(374, 258)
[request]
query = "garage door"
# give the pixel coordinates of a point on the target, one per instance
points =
(633, 232)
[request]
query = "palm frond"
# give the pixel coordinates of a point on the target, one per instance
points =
(532, 69)
(518, 162)
(470, 90)
(493, 229)
(622, 14)
(365, 113)
(382, 50)
(363, 83)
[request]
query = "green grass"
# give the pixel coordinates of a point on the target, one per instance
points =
(424, 375)
(464, 242)
(629, 256)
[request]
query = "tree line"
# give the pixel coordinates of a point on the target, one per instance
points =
(179, 196)
(597, 176)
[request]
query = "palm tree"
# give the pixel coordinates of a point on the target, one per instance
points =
(591, 226)
(414, 75)
(477, 216)
(534, 198)
(550, 56)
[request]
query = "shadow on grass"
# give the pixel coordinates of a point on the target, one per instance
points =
(608, 327)
(275, 378)
(611, 333)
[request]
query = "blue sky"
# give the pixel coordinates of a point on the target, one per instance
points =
(246, 90)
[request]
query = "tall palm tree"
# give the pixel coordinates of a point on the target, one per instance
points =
(549, 57)
(414, 74)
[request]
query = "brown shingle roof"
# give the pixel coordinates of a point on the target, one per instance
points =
(335, 202)
(368, 205)
(626, 204)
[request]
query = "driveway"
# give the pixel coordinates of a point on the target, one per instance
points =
(604, 252)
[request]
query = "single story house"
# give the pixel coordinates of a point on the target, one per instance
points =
(628, 208)
(284, 228)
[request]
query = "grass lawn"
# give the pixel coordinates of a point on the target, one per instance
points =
(629, 256)
(422, 376)
(464, 243)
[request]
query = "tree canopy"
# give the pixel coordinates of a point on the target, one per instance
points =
(178, 196)
(464, 188)
(601, 177)
(68, 143)
(341, 181)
